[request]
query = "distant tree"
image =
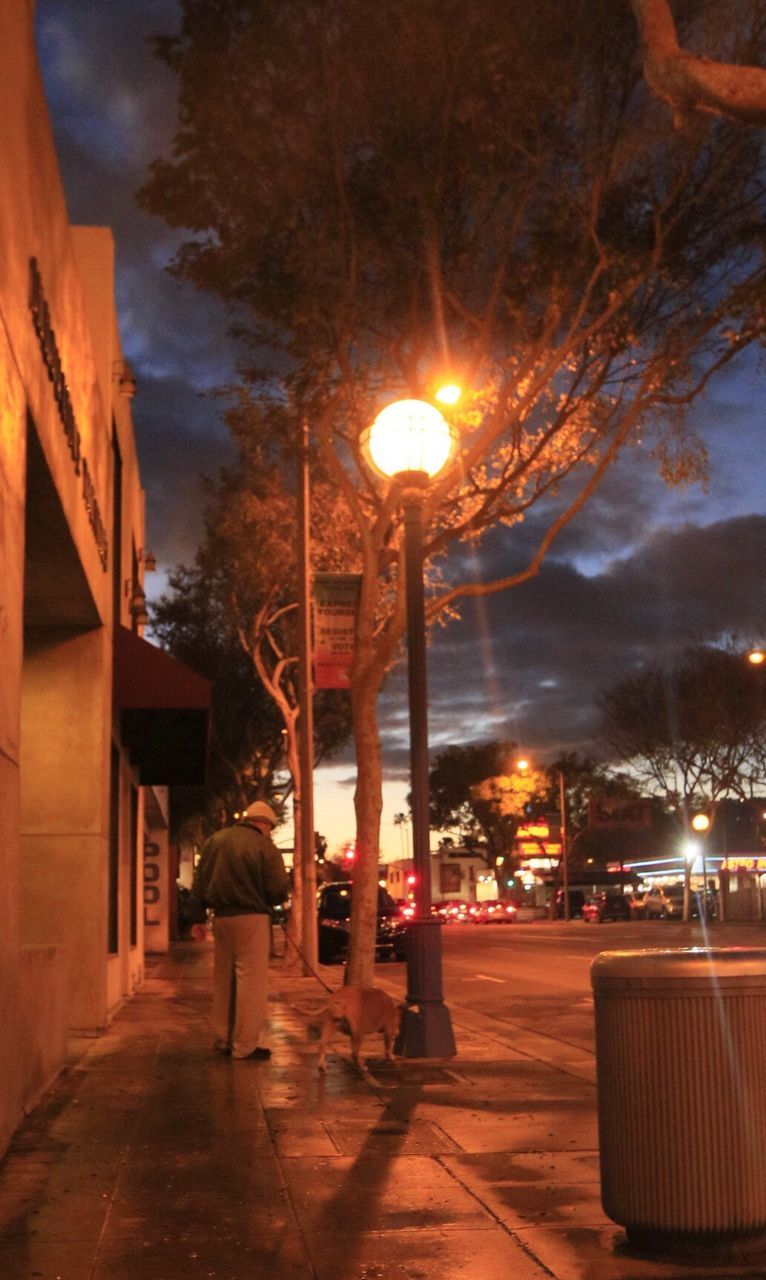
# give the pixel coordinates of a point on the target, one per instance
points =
(688, 83)
(245, 574)
(477, 790)
(388, 193)
(247, 741)
(691, 733)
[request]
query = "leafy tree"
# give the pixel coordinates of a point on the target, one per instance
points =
(692, 733)
(388, 193)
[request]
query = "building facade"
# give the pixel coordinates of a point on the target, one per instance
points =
(89, 712)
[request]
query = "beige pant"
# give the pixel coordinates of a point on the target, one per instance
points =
(240, 976)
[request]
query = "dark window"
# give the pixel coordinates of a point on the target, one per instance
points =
(133, 866)
(114, 852)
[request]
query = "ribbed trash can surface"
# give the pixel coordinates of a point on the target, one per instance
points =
(681, 1070)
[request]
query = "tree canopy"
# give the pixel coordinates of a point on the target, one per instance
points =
(693, 732)
(232, 616)
(388, 194)
(246, 743)
(478, 790)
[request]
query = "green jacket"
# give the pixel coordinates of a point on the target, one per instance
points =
(240, 872)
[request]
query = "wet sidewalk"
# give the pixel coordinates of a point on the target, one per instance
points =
(155, 1159)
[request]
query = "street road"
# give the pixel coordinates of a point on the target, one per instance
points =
(537, 976)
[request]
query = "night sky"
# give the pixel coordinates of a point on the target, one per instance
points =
(642, 571)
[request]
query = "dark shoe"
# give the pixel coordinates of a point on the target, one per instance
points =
(258, 1055)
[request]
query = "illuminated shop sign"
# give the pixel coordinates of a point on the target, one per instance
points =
(737, 863)
(46, 335)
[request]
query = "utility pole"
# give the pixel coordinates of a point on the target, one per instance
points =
(564, 844)
(304, 834)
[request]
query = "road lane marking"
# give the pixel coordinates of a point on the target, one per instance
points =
(487, 978)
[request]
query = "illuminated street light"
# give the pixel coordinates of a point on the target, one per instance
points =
(700, 822)
(449, 394)
(757, 657)
(410, 441)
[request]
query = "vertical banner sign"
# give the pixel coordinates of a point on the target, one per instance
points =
(336, 596)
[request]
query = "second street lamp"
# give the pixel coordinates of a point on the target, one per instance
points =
(411, 442)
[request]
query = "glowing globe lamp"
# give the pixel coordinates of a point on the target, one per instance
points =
(409, 436)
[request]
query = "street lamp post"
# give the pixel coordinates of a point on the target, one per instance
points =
(564, 843)
(411, 442)
(701, 824)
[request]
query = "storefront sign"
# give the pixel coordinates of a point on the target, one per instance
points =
(635, 815)
(743, 862)
(152, 890)
(156, 913)
(336, 597)
(46, 336)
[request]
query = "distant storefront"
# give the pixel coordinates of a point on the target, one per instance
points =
(742, 881)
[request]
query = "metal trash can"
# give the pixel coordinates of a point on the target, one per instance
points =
(681, 1070)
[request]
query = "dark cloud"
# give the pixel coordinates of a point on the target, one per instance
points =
(112, 104)
(529, 664)
(180, 440)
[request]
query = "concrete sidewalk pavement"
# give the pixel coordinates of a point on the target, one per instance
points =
(155, 1159)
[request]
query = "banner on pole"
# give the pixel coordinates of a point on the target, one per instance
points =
(336, 597)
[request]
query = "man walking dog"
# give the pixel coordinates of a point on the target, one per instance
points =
(241, 875)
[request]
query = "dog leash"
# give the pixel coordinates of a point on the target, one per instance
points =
(295, 946)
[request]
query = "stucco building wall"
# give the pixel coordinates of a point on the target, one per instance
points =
(73, 813)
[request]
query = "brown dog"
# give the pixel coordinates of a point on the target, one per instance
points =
(359, 1012)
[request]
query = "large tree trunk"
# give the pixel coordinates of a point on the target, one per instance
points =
(294, 943)
(368, 803)
(688, 83)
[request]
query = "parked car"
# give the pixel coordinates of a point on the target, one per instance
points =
(576, 903)
(663, 902)
(495, 912)
(609, 905)
(334, 923)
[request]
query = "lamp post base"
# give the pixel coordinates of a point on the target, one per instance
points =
(426, 1032)
(426, 1028)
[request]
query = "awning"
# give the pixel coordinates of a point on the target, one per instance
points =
(164, 711)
